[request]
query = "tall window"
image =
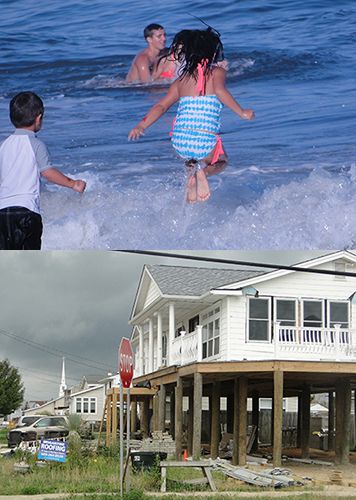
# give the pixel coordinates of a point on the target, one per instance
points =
(85, 405)
(313, 313)
(211, 333)
(286, 312)
(259, 324)
(338, 314)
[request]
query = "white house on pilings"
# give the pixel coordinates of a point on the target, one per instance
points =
(242, 333)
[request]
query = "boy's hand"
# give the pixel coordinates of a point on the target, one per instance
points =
(136, 132)
(248, 114)
(79, 186)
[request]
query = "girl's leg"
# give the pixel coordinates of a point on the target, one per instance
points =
(218, 166)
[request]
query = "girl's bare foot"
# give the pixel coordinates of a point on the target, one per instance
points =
(203, 190)
(191, 195)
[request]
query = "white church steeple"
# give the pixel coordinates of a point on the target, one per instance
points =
(63, 385)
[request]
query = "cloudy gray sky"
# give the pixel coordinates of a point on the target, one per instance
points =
(78, 303)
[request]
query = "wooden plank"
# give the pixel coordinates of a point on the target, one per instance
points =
(188, 463)
(207, 472)
(163, 479)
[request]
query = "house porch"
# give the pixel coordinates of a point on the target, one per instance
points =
(239, 380)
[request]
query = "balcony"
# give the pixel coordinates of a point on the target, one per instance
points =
(326, 343)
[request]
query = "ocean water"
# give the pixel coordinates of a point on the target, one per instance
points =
(291, 179)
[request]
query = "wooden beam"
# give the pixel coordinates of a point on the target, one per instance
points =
(197, 413)
(215, 420)
(172, 396)
(343, 422)
(331, 421)
(190, 421)
(255, 418)
(240, 421)
(114, 418)
(178, 417)
(278, 418)
(133, 416)
(162, 408)
(144, 417)
(108, 421)
(305, 423)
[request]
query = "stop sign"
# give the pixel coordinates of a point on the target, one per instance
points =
(126, 365)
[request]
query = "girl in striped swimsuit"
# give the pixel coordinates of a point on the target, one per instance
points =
(201, 92)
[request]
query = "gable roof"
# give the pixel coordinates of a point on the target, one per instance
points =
(196, 281)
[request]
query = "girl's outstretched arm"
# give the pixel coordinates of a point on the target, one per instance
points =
(155, 112)
(226, 98)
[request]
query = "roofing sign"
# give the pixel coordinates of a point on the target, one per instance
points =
(51, 449)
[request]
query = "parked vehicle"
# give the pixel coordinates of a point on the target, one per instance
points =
(44, 427)
(26, 420)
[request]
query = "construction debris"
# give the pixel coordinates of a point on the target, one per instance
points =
(308, 461)
(159, 442)
(269, 479)
(336, 477)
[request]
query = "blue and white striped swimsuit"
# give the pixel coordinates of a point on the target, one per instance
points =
(196, 127)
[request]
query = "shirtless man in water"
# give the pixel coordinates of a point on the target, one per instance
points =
(144, 66)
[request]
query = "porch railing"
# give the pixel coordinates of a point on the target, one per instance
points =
(336, 341)
(187, 348)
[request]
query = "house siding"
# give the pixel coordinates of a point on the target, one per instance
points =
(153, 293)
(296, 285)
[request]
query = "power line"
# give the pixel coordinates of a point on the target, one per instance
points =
(218, 260)
(49, 350)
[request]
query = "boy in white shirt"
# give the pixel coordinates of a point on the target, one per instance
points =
(23, 159)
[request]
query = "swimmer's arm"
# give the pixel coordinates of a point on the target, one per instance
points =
(226, 98)
(56, 177)
(156, 112)
(142, 65)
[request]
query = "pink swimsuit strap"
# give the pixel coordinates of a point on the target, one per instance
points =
(201, 82)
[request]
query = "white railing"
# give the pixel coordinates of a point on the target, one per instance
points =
(335, 342)
(187, 348)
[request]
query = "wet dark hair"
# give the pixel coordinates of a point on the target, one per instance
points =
(191, 47)
(24, 109)
(148, 31)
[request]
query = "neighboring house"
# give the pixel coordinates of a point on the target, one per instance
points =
(88, 403)
(281, 333)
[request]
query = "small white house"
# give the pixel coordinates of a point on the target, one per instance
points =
(193, 314)
(247, 335)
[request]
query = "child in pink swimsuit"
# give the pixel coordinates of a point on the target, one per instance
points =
(201, 92)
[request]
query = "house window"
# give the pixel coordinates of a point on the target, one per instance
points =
(338, 314)
(193, 323)
(211, 333)
(85, 405)
(259, 323)
(211, 338)
(286, 312)
(313, 313)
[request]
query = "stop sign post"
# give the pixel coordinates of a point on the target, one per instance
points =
(126, 367)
